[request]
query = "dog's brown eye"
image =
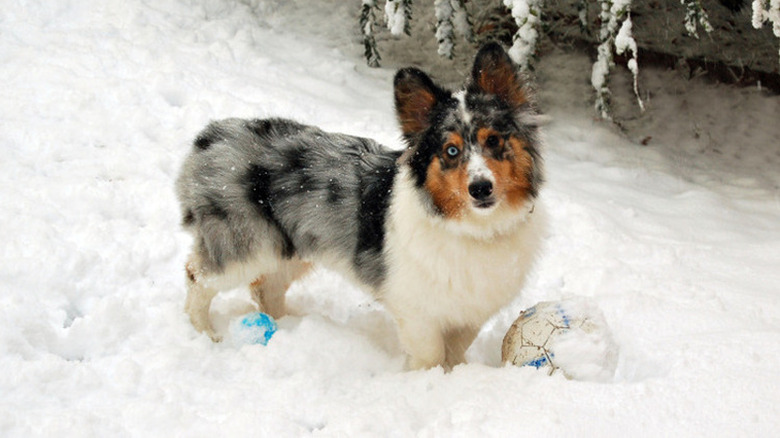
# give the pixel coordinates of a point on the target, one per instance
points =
(492, 142)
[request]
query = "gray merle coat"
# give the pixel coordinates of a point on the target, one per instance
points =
(442, 233)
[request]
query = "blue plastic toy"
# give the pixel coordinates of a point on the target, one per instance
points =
(254, 328)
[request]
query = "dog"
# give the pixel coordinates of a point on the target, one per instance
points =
(443, 233)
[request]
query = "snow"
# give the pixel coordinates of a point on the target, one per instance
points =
(624, 40)
(526, 14)
(394, 12)
(460, 20)
(587, 350)
(695, 16)
(444, 27)
(677, 242)
(451, 17)
(569, 336)
(767, 11)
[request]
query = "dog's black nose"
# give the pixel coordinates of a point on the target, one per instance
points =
(481, 190)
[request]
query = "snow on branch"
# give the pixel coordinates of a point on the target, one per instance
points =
(461, 20)
(612, 13)
(527, 15)
(625, 41)
(445, 31)
(451, 17)
(582, 14)
(615, 35)
(695, 16)
(398, 14)
(767, 11)
(367, 23)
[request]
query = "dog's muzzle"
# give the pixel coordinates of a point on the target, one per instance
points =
(482, 193)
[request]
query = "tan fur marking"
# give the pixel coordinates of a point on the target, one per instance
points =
(190, 272)
(513, 174)
(484, 133)
(258, 282)
(454, 139)
(449, 189)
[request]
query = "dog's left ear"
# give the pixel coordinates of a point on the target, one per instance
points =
(495, 73)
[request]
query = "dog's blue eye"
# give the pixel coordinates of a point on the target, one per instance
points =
(453, 151)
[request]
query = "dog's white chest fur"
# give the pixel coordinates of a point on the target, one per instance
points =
(446, 273)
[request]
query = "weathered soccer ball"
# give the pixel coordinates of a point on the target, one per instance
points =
(569, 335)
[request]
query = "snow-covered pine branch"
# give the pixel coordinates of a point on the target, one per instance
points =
(767, 11)
(582, 14)
(695, 16)
(399, 14)
(367, 23)
(445, 31)
(601, 68)
(625, 41)
(614, 13)
(527, 15)
(461, 20)
(615, 34)
(451, 17)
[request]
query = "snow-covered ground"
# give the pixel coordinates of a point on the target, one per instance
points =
(676, 242)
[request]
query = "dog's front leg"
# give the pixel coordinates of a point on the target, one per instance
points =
(457, 341)
(423, 341)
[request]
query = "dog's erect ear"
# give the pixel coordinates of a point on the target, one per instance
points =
(495, 73)
(415, 97)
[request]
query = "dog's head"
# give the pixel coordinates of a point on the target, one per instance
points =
(473, 153)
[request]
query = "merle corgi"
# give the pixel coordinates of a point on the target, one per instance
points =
(442, 233)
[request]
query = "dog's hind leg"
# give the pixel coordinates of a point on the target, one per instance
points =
(198, 303)
(269, 290)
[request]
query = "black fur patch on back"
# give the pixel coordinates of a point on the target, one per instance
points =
(335, 192)
(372, 213)
(215, 209)
(274, 127)
(297, 169)
(295, 158)
(258, 183)
(189, 218)
(259, 127)
(212, 134)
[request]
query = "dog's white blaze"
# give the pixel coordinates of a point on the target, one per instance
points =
(465, 115)
(477, 167)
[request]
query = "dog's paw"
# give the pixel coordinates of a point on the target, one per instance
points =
(216, 338)
(419, 364)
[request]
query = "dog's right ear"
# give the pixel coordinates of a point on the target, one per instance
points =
(415, 97)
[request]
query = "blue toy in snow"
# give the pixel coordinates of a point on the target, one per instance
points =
(253, 328)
